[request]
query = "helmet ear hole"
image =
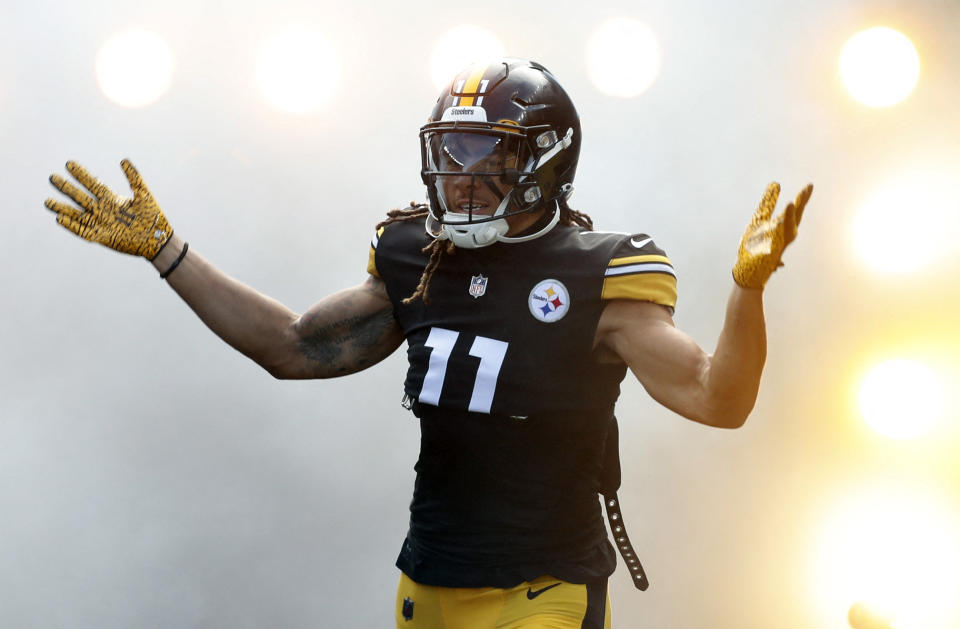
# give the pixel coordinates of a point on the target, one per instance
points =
(547, 139)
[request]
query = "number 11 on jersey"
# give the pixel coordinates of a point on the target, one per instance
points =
(490, 352)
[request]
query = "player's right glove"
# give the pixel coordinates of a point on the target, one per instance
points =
(765, 239)
(136, 226)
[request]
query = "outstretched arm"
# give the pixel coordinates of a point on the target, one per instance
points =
(344, 333)
(719, 389)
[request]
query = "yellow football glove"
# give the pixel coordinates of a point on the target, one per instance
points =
(136, 226)
(763, 243)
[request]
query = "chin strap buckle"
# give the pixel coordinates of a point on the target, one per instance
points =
(620, 538)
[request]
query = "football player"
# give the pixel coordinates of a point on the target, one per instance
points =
(520, 321)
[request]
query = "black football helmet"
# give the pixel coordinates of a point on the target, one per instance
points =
(502, 139)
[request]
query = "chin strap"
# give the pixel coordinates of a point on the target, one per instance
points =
(469, 235)
(540, 232)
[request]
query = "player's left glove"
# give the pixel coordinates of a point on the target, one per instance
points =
(766, 237)
(136, 226)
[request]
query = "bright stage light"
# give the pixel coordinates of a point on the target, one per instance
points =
(458, 48)
(907, 224)
(901, 399)
(895, 550)
(134, 68)
(879, 66)
(297, 70)
(623, 57)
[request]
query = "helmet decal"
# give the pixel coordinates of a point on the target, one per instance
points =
(464, 113)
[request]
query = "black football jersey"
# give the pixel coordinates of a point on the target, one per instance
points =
(510, 327)
(513, 404)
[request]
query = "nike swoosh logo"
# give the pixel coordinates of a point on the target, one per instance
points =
(640, 244)
(534, 594)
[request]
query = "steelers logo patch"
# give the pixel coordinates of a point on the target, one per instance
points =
(549, 301)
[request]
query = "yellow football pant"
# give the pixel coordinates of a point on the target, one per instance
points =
(544, 603)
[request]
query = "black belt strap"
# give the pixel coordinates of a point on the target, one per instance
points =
(609, 484)
(619, 530)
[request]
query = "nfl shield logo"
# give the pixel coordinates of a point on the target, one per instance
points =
(478, 285)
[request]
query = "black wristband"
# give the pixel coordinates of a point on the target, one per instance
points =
(176, 262)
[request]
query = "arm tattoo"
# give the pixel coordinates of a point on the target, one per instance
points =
(342, 342)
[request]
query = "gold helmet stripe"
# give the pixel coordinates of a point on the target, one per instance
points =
(473, 82)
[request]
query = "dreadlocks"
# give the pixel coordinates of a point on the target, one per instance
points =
(569, 216)
(438, 248)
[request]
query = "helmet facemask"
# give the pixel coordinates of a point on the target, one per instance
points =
(478, 174)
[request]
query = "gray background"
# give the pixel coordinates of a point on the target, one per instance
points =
(150, 476)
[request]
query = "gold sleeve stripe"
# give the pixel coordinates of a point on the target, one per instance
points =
(636, 259)
(471, 86)
(372, 257)
(659, 288)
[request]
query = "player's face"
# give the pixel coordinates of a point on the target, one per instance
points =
(481, 159)
(475, 194)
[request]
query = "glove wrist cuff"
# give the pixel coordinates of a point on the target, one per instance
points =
(162, 247)
(744, 284)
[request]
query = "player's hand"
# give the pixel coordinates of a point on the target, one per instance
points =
(136, 226)
(766, 237)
